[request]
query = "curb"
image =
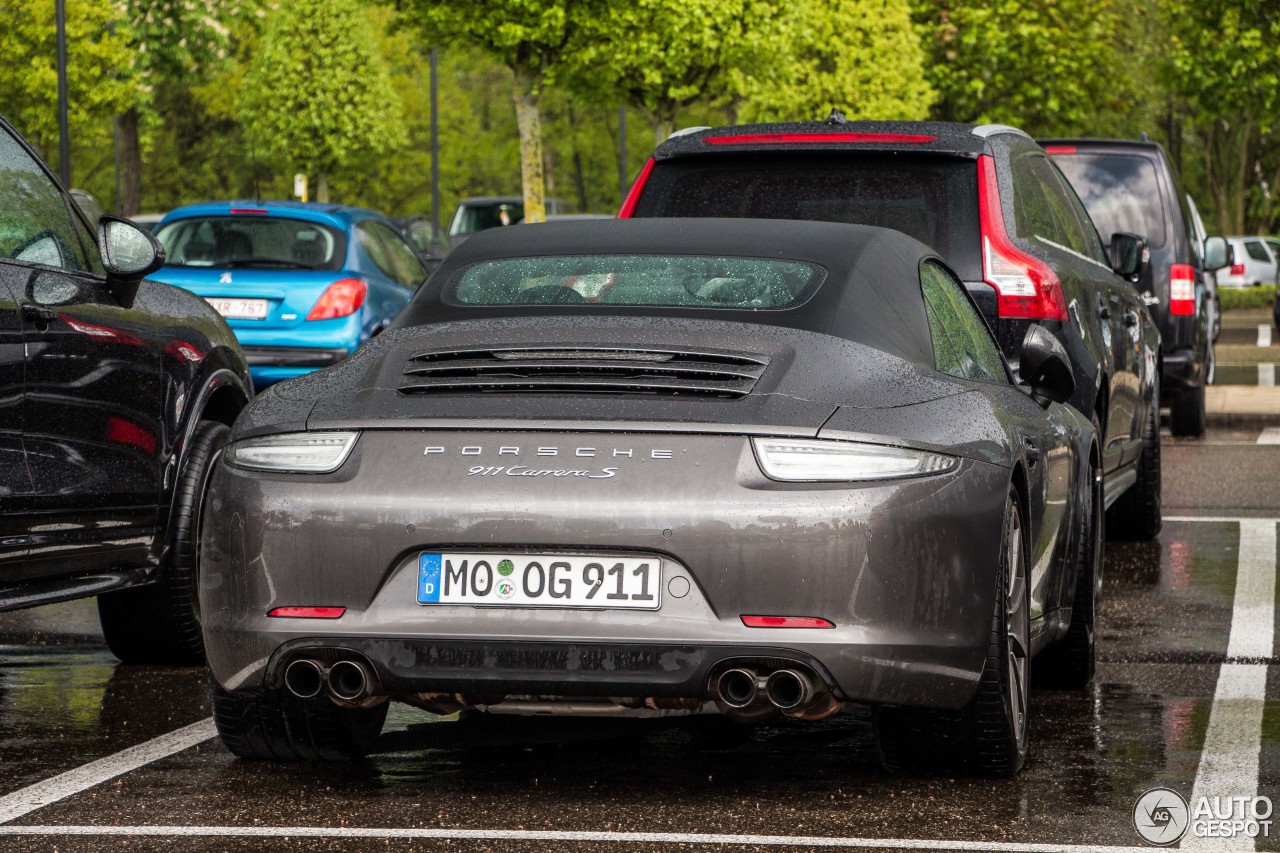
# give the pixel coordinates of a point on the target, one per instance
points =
(1241, 419)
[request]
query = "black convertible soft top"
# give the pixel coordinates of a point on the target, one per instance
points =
(871, 294)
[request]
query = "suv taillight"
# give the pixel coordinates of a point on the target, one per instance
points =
(1026, 287)
(341, 299)
(1182, 290)
(1237, 269)
(633, 195)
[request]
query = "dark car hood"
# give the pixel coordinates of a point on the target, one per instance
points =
(808, 376)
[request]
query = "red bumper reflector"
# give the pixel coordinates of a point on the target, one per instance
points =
(309, 612)
(1059, 149)
(818, 138)
(786, 622)
(633, 195)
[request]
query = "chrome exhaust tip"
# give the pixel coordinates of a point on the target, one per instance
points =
(790, 690)
(349, 681)
(304, 678)
(737, 687)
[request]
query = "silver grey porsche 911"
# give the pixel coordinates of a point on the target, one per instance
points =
(746, 467)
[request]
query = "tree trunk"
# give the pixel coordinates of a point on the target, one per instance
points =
(322, 187)
(529, 120)
(130, 201)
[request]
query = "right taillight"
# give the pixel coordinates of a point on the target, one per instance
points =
(340, 299)
(1026, 287)
(1237, 269)
(1182, 290)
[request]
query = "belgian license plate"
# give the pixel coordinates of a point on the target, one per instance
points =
(240, 309)
(539, 580)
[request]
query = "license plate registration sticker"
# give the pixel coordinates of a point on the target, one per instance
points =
(240, 309)
(539, 580)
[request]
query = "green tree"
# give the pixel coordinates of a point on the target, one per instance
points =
(98, 80)
(173, 44)
(1225, 58)
(1046, 66)
(864, 57)
(664, 56)
(537, 40)
(317, 95)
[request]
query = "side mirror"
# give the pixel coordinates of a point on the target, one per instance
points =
(129, 255)
(1045, 366)
(1218, 253)
(1129, 254)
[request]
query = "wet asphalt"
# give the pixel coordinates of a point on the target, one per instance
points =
(1165, 619)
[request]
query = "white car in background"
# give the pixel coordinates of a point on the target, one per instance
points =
(1257, 260)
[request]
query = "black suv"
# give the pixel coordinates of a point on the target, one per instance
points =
(117, 396)
(1131, 186)
(992, 203)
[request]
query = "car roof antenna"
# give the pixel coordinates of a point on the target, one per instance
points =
(836, 117)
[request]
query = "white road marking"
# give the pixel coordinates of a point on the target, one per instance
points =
(1266, 376)
(1270, 435)
(1233, 740)
(554, 835)
(32, 797)
(1264, 334)
(1253, 612)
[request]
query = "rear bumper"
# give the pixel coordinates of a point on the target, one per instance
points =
(904, 569)
(269, 365)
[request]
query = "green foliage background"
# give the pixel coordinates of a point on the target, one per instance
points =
(227, 109)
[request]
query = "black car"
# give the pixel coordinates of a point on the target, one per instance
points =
(989, 200)
(1131, 186)
(668, 467)
(117, 396)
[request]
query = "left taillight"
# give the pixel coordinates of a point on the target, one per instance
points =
(340, 299)
(1182, 290)
(1026, 287)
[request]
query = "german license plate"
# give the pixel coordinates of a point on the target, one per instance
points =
(240, 309)
(539, 580)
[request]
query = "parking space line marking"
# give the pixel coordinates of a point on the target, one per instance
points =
(1219, 519)
(567, 835)
(1264, 334)
(1270, 435)
(1266, 376)
(1253, 610)
(1233, 739)
(32, 797)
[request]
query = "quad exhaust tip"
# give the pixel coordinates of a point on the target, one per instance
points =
(349, 681)
(737, 687)
(304, 678)
(790, 690)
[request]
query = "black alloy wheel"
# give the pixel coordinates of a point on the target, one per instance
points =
(989, 735)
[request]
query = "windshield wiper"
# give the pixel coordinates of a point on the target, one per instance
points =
(262, 262)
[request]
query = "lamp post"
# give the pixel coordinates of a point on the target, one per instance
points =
(435, 158)
(64, 135)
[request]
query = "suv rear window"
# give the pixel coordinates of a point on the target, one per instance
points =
(933, 199)
(252, 242)
(677, 281)
(1120, 191)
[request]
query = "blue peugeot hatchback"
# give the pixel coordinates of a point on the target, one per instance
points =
(301, 284)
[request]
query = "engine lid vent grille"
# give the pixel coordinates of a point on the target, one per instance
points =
(582, 370)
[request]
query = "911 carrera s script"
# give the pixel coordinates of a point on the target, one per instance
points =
(525, 471)
(539, 580)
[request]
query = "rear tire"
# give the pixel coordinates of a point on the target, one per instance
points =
(1186, 413)
(274, 726)
(157, 623)
(989, 735)
(1070, 663)
(1136, 515)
